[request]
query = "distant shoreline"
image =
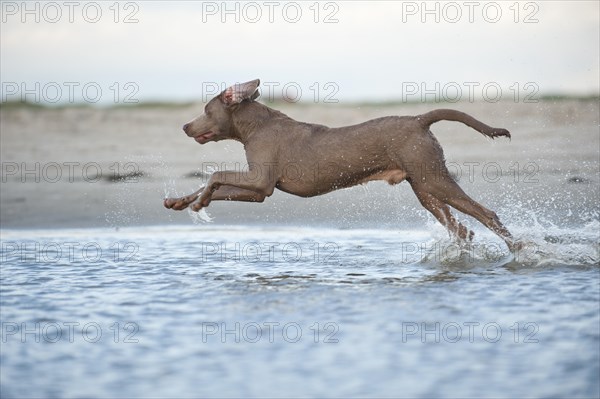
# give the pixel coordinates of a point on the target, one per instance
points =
(8, 105)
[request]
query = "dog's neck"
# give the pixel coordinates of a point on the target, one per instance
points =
(250, 117)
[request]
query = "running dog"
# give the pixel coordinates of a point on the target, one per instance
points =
(308, 159)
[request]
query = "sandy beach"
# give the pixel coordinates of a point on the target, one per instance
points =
(84, 167)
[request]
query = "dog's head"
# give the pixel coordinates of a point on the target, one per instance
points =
(216, 122)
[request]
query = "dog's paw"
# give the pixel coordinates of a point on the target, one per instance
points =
(169, 202)
(464, 234)
(500, 133)
(471, 236)
(200, 204)
(177, 204)
(516, 246)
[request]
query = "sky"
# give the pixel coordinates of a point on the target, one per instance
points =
(330, 51)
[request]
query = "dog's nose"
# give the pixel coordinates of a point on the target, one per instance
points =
(185, 127)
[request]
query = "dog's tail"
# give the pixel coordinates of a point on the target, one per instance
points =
(437, 115)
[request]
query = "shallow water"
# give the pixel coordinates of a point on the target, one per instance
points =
(207, 310)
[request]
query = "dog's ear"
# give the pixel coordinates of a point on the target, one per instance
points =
(240, 92)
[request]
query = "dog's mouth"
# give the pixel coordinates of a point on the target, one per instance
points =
(204, 137)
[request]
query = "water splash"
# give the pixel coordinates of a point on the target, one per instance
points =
(543, 243)
(556, 245)
(200, 217)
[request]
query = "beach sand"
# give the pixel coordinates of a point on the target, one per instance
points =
(61, 167)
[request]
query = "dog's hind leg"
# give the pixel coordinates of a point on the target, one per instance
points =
(449, 192)
(442, 213)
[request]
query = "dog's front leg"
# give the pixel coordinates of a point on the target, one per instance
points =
(223, 193)
(230, 193)
(251, 186)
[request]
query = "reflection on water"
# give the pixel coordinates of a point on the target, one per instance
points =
(236, 311)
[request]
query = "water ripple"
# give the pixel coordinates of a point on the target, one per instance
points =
(231, 311)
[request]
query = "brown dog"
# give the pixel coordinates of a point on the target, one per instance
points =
(308, 159)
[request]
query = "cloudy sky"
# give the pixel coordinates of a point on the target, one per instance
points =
(339, 50)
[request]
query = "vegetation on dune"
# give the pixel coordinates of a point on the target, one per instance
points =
(173, 105)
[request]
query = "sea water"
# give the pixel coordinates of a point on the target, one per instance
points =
(211, 310)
